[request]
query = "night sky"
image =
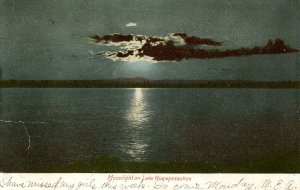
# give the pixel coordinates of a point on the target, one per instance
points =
(49, 39)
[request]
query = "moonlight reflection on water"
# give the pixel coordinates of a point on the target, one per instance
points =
(137, 111)
(137, 118)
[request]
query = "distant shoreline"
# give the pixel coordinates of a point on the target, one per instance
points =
(144, 83)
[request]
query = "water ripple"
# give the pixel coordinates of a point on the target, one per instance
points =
(22, 122)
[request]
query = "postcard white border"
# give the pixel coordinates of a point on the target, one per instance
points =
(133, 181)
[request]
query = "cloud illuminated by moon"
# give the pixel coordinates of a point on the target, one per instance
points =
(131, 24)
(178, 46)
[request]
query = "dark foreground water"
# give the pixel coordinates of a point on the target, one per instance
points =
(47, 127)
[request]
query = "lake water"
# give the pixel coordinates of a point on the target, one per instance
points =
(45, 127)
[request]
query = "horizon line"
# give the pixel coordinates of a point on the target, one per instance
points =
(146, 83)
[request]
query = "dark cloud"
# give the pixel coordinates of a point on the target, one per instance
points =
(170, 48)
(194, 40)
(112, 38)
(169, 51)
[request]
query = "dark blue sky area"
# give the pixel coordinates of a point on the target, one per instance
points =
(48, 39)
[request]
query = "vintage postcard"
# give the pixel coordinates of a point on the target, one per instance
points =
(150, 86)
